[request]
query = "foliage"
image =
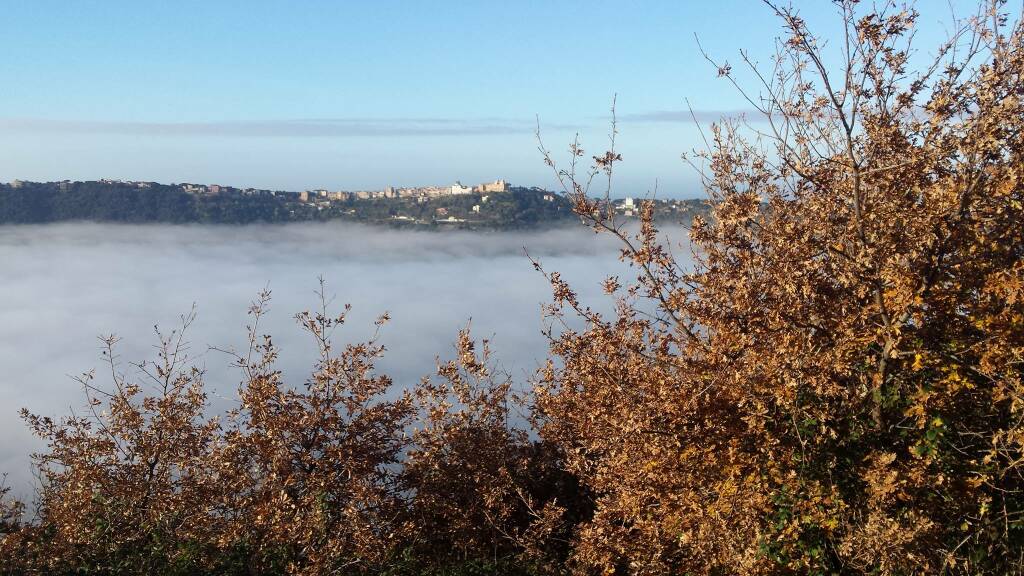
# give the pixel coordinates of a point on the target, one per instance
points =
(481, 484)
(835, 386)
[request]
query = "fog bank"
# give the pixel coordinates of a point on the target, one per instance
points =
(66, 284)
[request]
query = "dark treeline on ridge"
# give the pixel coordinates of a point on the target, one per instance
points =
(137, 202)
(141, 202)
(834, 386)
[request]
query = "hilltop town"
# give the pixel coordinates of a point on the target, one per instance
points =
(422, 193)
(495, 204)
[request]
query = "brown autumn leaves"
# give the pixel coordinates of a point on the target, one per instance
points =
(834, 388)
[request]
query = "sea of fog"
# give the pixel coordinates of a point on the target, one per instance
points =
(66, 284)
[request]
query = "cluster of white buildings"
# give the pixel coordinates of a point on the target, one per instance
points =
(422, 193)
(322, 197)
(201, 188)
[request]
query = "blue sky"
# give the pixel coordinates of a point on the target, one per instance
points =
(352, 95)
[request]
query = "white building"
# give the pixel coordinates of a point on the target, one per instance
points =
(458, 188)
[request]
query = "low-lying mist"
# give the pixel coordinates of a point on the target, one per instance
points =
(66, 284)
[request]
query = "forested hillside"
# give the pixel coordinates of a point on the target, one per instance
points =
(141, 202)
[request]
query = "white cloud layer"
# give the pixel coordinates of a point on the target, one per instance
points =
(66, 284)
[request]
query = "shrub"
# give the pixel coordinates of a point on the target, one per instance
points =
(835, 384)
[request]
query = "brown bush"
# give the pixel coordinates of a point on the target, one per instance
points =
(481, 485)
(307, 473)
(835, 385)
